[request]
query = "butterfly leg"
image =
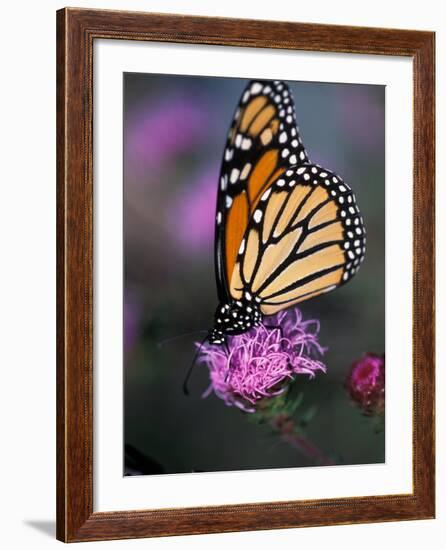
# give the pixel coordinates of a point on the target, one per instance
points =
(228, 352)
(226, 346)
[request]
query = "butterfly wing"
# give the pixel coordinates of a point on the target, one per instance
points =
(262, 142)
(306, 237)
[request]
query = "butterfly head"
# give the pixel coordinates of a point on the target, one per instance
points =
(235, 317)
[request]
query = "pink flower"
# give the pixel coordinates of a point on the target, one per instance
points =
(366, 383)
(156, 135)
(260, 363)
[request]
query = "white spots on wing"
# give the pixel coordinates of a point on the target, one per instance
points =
(300, 170)
(256, 88)
(246, 96)
(280, 182)
(228, 201)
(292, 183)
(293, 131)
(306, 177)
(289, 172)
(302, 155)
(285, 153)
(341, 199)
(289, 119)
(266, 194)
(323, 174)
(283, 137)
(224, 182)
(335, 179)
(238, 140)
(282, 113)
(234, 175)
(294, 143)
(218, 218)
(266, 89)
(257, 215)
(228, 154)
(342, 188)
(277, 98)
(314, 170)
(246, 144)
(293, 159)
(242, 247)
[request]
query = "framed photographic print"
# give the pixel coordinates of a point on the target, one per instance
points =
(245, 275)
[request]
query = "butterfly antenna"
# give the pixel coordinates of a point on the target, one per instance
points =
(191, 368)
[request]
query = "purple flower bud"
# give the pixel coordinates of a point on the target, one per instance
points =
(366, 383)
(260, 363)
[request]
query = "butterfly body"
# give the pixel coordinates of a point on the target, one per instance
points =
(287, 230)
(235, 317)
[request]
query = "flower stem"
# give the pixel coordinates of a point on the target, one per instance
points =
(292, 434)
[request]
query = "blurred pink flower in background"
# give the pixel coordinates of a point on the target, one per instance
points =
(260, 363)
(169, 127)
(366, 383)
(193, 225)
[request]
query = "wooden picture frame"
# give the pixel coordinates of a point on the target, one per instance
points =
(77, 29)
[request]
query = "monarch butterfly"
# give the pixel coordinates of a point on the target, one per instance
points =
(286, 230)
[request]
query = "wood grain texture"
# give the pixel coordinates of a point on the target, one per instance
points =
(76, 31)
